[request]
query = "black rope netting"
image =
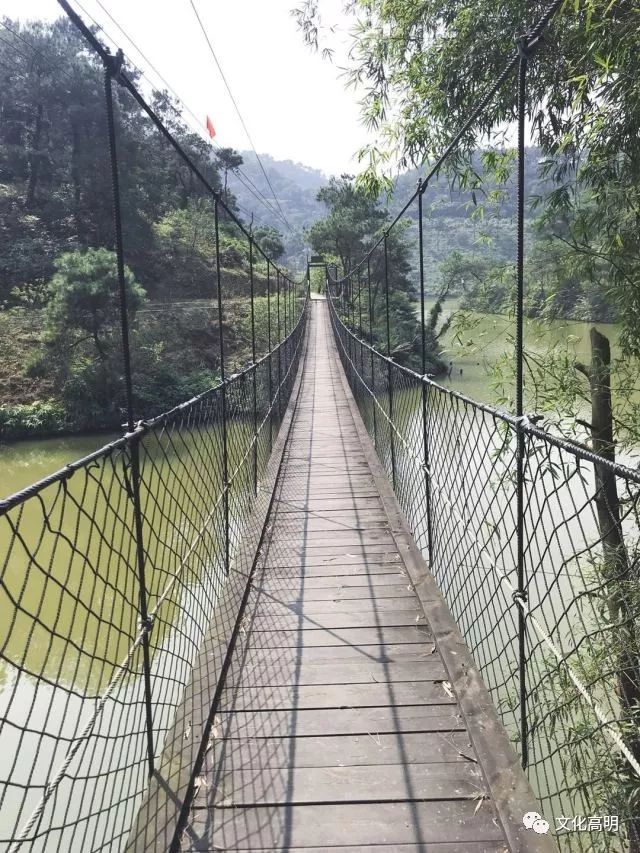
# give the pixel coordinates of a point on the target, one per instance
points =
(454, 466)
(117, 568)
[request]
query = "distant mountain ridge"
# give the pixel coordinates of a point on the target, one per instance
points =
(295, 185)
(450, 226)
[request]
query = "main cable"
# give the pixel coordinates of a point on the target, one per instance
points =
(255, 192)
(196, 128)
(237, 109)
(531, 38)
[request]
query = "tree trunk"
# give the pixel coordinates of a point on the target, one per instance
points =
(618, 573)
(34, 159)
(75, 178)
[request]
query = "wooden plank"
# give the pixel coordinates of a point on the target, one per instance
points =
(336, 696)
(339, 541)
(350, 582)
(328, 503)
(383, 824)
(315, 525)
(351, 565)
(347, 541)
(444, 847)
(345, 654)
(243, 786)
(337, 593)
(339, 721)
(323, 554)
(315, 469)
(264, 604)
(344, 474)
(347, 546)
(368, 514)
(357, 637)
(327, 492)
(344, 751)
(291, 671)
(292, 621)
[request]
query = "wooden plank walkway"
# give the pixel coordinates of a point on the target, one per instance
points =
(338, 728)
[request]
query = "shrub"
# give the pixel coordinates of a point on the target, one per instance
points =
(42, 417)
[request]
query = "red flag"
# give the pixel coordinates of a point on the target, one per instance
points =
(210, 128)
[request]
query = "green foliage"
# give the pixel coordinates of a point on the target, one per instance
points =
(353, 224)
(91, 392)
(425, 66)
(613, 786)
(270, 241)
(85, 299)
(187, 231)
(229, 160)
(317, 280)
(261, 310)
(43, 417)
(83, 336)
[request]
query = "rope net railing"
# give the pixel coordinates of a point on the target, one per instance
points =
(114, 569)
(453, 464)
(534, 540)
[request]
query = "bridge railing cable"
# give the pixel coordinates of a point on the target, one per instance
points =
(534, 540)
(454, 465)
(115, 568)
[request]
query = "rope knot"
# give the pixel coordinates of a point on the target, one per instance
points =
(527, 45)
(146, 624)
(113, 65)
(520, 597)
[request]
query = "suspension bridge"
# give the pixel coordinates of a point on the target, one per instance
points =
(325, 604)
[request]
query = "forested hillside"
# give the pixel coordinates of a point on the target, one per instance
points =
(59, 332)
(452, 224)
(296, 187)
(476, 222)
(61, 357)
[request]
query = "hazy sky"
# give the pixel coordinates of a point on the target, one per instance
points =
(293, 102)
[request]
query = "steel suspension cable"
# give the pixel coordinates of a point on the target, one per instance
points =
(128, 84)
(111, 71)
(531, 40)
(237, 109)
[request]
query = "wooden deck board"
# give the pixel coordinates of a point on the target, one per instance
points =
(308, 785)
(336, 727)
(341, 721)
(387, 824)
(358, 637)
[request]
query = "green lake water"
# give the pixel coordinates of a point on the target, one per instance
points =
(70, 593)
(492, 335)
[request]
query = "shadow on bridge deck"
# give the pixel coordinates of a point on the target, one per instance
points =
(351, 715)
